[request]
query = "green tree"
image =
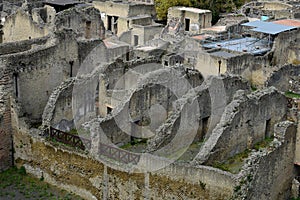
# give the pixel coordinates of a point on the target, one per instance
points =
(216, 6)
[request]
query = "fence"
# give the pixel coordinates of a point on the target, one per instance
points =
(118, 154)
(70, 139)
(111, 152)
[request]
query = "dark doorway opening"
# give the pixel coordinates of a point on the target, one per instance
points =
(205, 121)
(109, 23)
(88, 29)
(116, 25)
(71, 68)
(220, 62)
(187, 24)
(268, 128)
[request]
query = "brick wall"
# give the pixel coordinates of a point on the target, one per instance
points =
(5, 126)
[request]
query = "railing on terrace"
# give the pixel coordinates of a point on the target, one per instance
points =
(69, 139)
(118, 154)
(108, 151)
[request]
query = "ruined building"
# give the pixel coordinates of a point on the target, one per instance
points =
(189, 110)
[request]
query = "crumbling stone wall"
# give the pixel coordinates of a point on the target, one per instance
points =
(63, 108)
(115, 74)
(284, 77)
(268, 173)
(6, 149)
(7, 7)
(212, 97)
(44, 15)
(253, 68)
(36, 67)
(150, 90)
(39, 67)
(59, 105)
(89, 178)
(20, 26)
(240, 128)
(286, 48)
(271, 9)
(275, 6)
(25, 45)
(86, 46)
(86, 22)
(297, 153)
(126, 11)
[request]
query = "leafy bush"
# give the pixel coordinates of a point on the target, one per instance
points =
(216, 6)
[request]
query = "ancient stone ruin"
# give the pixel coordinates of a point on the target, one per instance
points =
(100, 99)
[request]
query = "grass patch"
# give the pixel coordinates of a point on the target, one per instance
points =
(133, 143)
(292, 95)
(233, 164)
(253, 88)
(126, 146)
(73, 131)
(263, 144)
(17, 184)
(221, 166)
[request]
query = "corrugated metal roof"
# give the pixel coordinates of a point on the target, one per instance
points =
(254, 46)
(273, 30)
(257, 23)
(268, 27)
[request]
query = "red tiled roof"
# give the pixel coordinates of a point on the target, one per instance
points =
(288, 22)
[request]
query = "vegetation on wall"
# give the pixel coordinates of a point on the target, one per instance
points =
(290, 94)
(216, 6)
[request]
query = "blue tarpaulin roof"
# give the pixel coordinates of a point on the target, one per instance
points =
(264, 18)
(268, 27)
